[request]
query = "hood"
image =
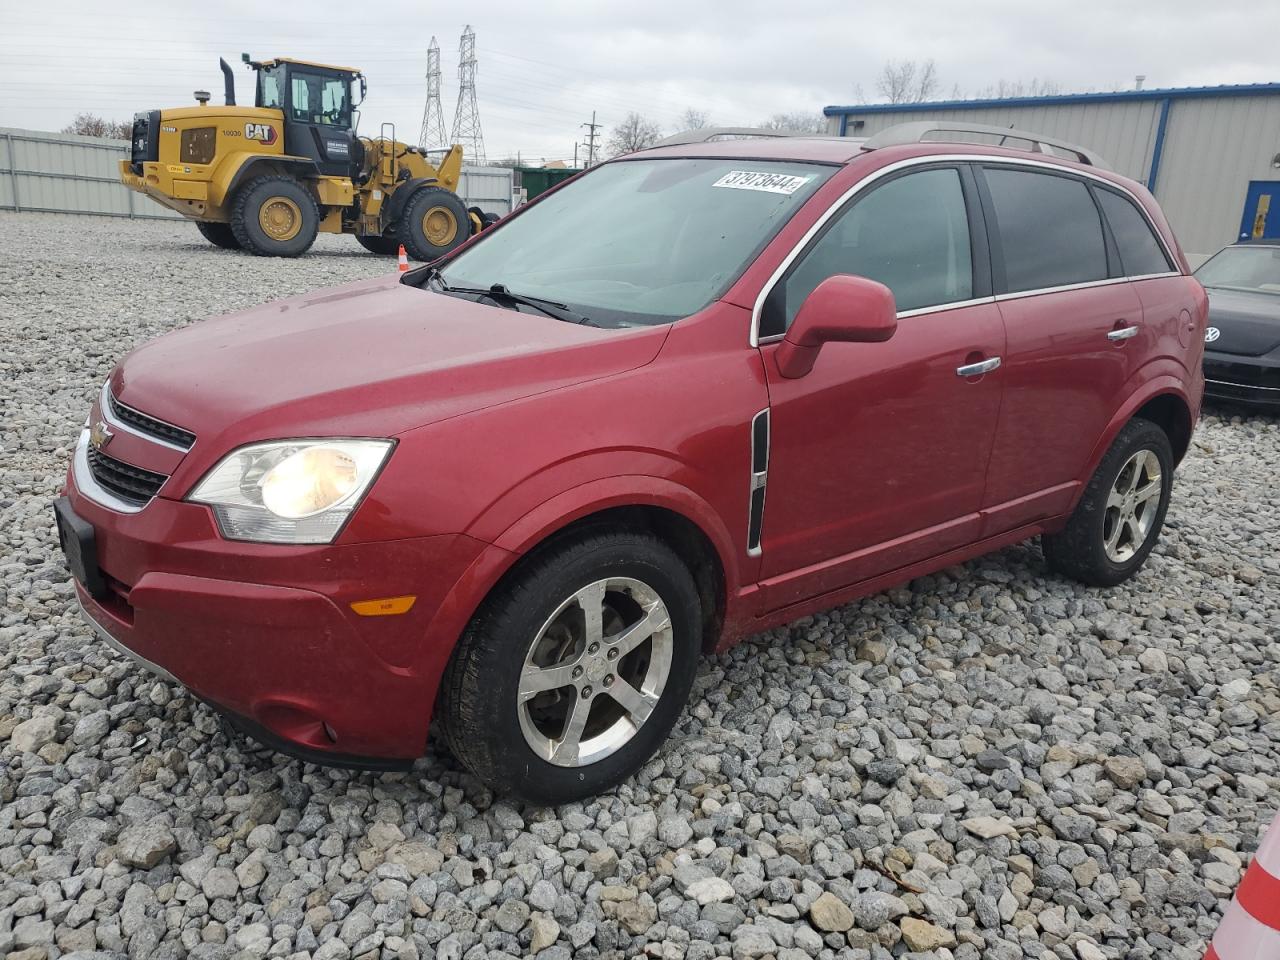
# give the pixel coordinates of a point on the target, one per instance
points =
(216, 112)
(1248, 324)
(372, 358)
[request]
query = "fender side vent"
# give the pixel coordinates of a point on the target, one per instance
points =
(759, 480)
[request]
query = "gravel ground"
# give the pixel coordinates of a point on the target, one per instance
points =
(987, 763)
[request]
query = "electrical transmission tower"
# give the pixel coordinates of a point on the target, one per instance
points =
(433, 135)
(466, 119)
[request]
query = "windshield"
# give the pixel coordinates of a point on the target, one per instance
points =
(269, 81)
(1255, 269)
(641, 241)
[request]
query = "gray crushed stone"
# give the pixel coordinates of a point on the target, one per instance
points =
(987, 763)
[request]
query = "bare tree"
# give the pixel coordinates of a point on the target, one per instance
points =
(799, 122)
(634, 133)
(908, 81)
(92, 125)
(1035, 87)
(693, 119)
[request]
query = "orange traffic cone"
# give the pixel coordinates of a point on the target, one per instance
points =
(404, 259)
(1250, 928)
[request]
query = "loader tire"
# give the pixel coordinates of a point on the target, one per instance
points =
(219, 234)
(434, 222)
(275, 216)
(387, 245)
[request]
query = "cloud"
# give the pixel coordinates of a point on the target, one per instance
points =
(545, 67)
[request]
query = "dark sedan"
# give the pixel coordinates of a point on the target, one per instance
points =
(1242, 341)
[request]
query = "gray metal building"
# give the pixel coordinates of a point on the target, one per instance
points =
(1211, 155)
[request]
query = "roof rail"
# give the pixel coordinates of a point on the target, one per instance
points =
(918, 132)
(707, 134)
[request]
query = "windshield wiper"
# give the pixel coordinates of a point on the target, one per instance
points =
(499, 292)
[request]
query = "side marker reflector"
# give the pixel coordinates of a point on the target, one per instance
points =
(386, 607)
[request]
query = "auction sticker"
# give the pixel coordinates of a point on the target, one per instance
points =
(767, 182)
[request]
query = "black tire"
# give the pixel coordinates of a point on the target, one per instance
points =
(482, 719)
(1079, 550)
(219, 234)
(386, 245)
(443, 206)
(247, 209)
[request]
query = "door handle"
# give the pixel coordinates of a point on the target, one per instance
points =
(1124, 333)
(978, 369)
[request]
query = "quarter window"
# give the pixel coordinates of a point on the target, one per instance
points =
(1140, 251)
(911, 234)
(1050, 230)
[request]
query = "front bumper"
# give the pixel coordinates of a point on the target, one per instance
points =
(266, 633)
(1250, 380)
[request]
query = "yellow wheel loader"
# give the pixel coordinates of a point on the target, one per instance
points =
(267, 178)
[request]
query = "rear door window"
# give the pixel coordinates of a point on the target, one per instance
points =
(1140, 252)
(1049, 228)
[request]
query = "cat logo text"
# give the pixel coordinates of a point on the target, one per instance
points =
(264, 132)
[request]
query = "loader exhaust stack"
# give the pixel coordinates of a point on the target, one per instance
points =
(228, 82)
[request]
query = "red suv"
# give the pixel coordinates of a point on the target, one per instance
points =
(694, 393)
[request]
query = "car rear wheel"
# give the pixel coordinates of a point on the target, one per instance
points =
(275, 216)
(1119, 517)
(575, 670)
(219, 234)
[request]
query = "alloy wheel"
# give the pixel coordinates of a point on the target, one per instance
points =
(595, 671)
(1132, 505)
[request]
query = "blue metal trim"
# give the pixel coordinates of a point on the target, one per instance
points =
(844, 124)
(1173, 93)
(1158, 149)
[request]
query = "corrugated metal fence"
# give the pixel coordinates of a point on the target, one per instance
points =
(65, 173)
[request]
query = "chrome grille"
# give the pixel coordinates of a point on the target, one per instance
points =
(131, 484)
(150, 426)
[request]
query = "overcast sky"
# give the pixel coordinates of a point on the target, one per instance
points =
(545, 65)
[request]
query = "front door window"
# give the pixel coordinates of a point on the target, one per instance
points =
(320, 98)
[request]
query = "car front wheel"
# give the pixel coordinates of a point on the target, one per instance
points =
(1119, 517)
(574, 672)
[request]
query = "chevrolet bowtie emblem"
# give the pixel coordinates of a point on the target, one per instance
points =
(100, 435)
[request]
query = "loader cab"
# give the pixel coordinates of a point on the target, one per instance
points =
(318, 102)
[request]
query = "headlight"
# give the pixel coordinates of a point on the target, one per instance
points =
(290, 491)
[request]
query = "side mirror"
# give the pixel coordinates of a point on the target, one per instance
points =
(842, 308)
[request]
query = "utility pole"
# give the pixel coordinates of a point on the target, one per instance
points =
(591, 138)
